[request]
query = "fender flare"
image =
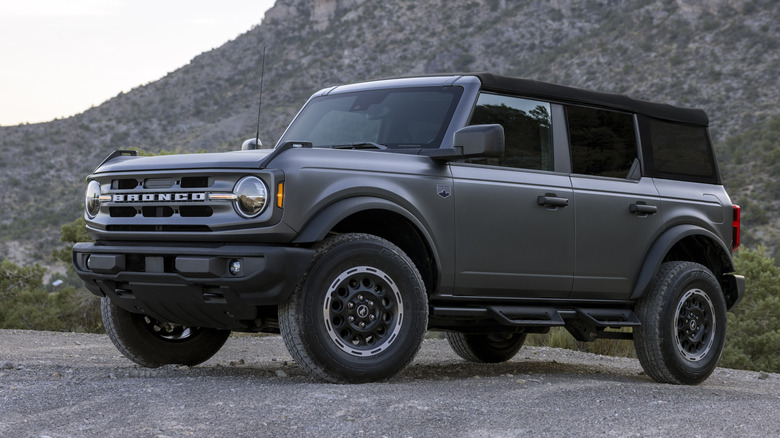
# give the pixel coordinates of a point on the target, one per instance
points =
(663, 244)
(327, 218)
(324, 221)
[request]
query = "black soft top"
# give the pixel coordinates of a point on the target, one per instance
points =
(560, 93)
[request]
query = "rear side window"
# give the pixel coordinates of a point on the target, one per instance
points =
(679, 151)
(603, 143)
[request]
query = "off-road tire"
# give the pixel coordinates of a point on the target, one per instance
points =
(359, 314)
(142, 340)
(683, 326)
(486, 348)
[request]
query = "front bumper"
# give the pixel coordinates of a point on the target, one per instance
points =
(192, 284)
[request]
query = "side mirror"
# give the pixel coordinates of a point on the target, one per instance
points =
(480, 141)
(475, 141)
(251, 144)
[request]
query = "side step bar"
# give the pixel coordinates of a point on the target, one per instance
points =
(525, 316)
(608, 317)
(522, 316)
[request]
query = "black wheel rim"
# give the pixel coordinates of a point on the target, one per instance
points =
(363, 311)
(167, 331)
(694, 324)
(501, 341)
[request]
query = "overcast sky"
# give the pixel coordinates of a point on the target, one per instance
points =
(60, 57)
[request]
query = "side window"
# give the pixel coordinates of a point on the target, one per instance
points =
(603, 143)
(527, 130)
(681, 152)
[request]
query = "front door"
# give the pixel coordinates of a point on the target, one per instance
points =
(514, 216)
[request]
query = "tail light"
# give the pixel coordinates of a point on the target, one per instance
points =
(735, 225)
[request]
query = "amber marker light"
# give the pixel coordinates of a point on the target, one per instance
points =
(279, 194)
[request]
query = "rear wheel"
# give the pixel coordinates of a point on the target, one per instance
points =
(359, 315)
(152, 343)
(683, 324)
(487, 348)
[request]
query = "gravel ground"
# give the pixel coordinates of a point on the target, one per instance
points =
(78, 385)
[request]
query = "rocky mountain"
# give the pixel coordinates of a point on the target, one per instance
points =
(720, 55)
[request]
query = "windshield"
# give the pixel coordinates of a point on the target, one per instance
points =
(392, 118)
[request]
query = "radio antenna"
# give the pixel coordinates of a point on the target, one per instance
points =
(260, 104)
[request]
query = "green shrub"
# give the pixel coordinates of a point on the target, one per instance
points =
(753, 339)
(27, 305)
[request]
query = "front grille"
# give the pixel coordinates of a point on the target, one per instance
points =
(171, 201)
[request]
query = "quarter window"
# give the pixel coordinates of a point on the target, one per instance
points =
(603, 143)
(527, 133)
(681, 151)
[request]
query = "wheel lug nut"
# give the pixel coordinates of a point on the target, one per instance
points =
(351, 305)
(362, 324)
(351, 319)
(360, 297)
(371, 317)
(370, 304)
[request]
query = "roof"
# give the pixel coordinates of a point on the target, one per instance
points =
(560, 93)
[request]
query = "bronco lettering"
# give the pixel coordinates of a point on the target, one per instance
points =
(158, 197)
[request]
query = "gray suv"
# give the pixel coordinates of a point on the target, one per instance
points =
(485, 206)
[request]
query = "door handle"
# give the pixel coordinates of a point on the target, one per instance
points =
(550, 200)
(642, 209)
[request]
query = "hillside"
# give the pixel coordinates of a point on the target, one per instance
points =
(720, 55)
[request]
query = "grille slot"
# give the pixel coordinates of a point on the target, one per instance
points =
(159, 228)
(195, 211)
(158, 183)
(122, 211)
(124, 184)
(196, 182)
(162, 211)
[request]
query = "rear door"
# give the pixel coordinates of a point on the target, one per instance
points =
(618, 213)
(514, 216)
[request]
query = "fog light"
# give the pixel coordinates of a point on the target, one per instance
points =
(235, 266)
(86, 262)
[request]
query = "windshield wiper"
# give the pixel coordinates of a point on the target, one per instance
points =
(359, 145)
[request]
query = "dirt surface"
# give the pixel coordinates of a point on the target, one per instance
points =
(78, 385)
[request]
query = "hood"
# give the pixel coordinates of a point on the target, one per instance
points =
(252, 159)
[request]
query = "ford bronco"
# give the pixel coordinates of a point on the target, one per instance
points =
(484, 206)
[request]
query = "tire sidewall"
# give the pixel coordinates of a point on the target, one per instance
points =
(323, 350)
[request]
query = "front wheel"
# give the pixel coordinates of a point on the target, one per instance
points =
(486, 348)
(683, 327)
(360, 313)
(151, 343)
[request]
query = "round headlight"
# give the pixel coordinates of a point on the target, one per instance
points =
(252, 194)
(92, 199)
